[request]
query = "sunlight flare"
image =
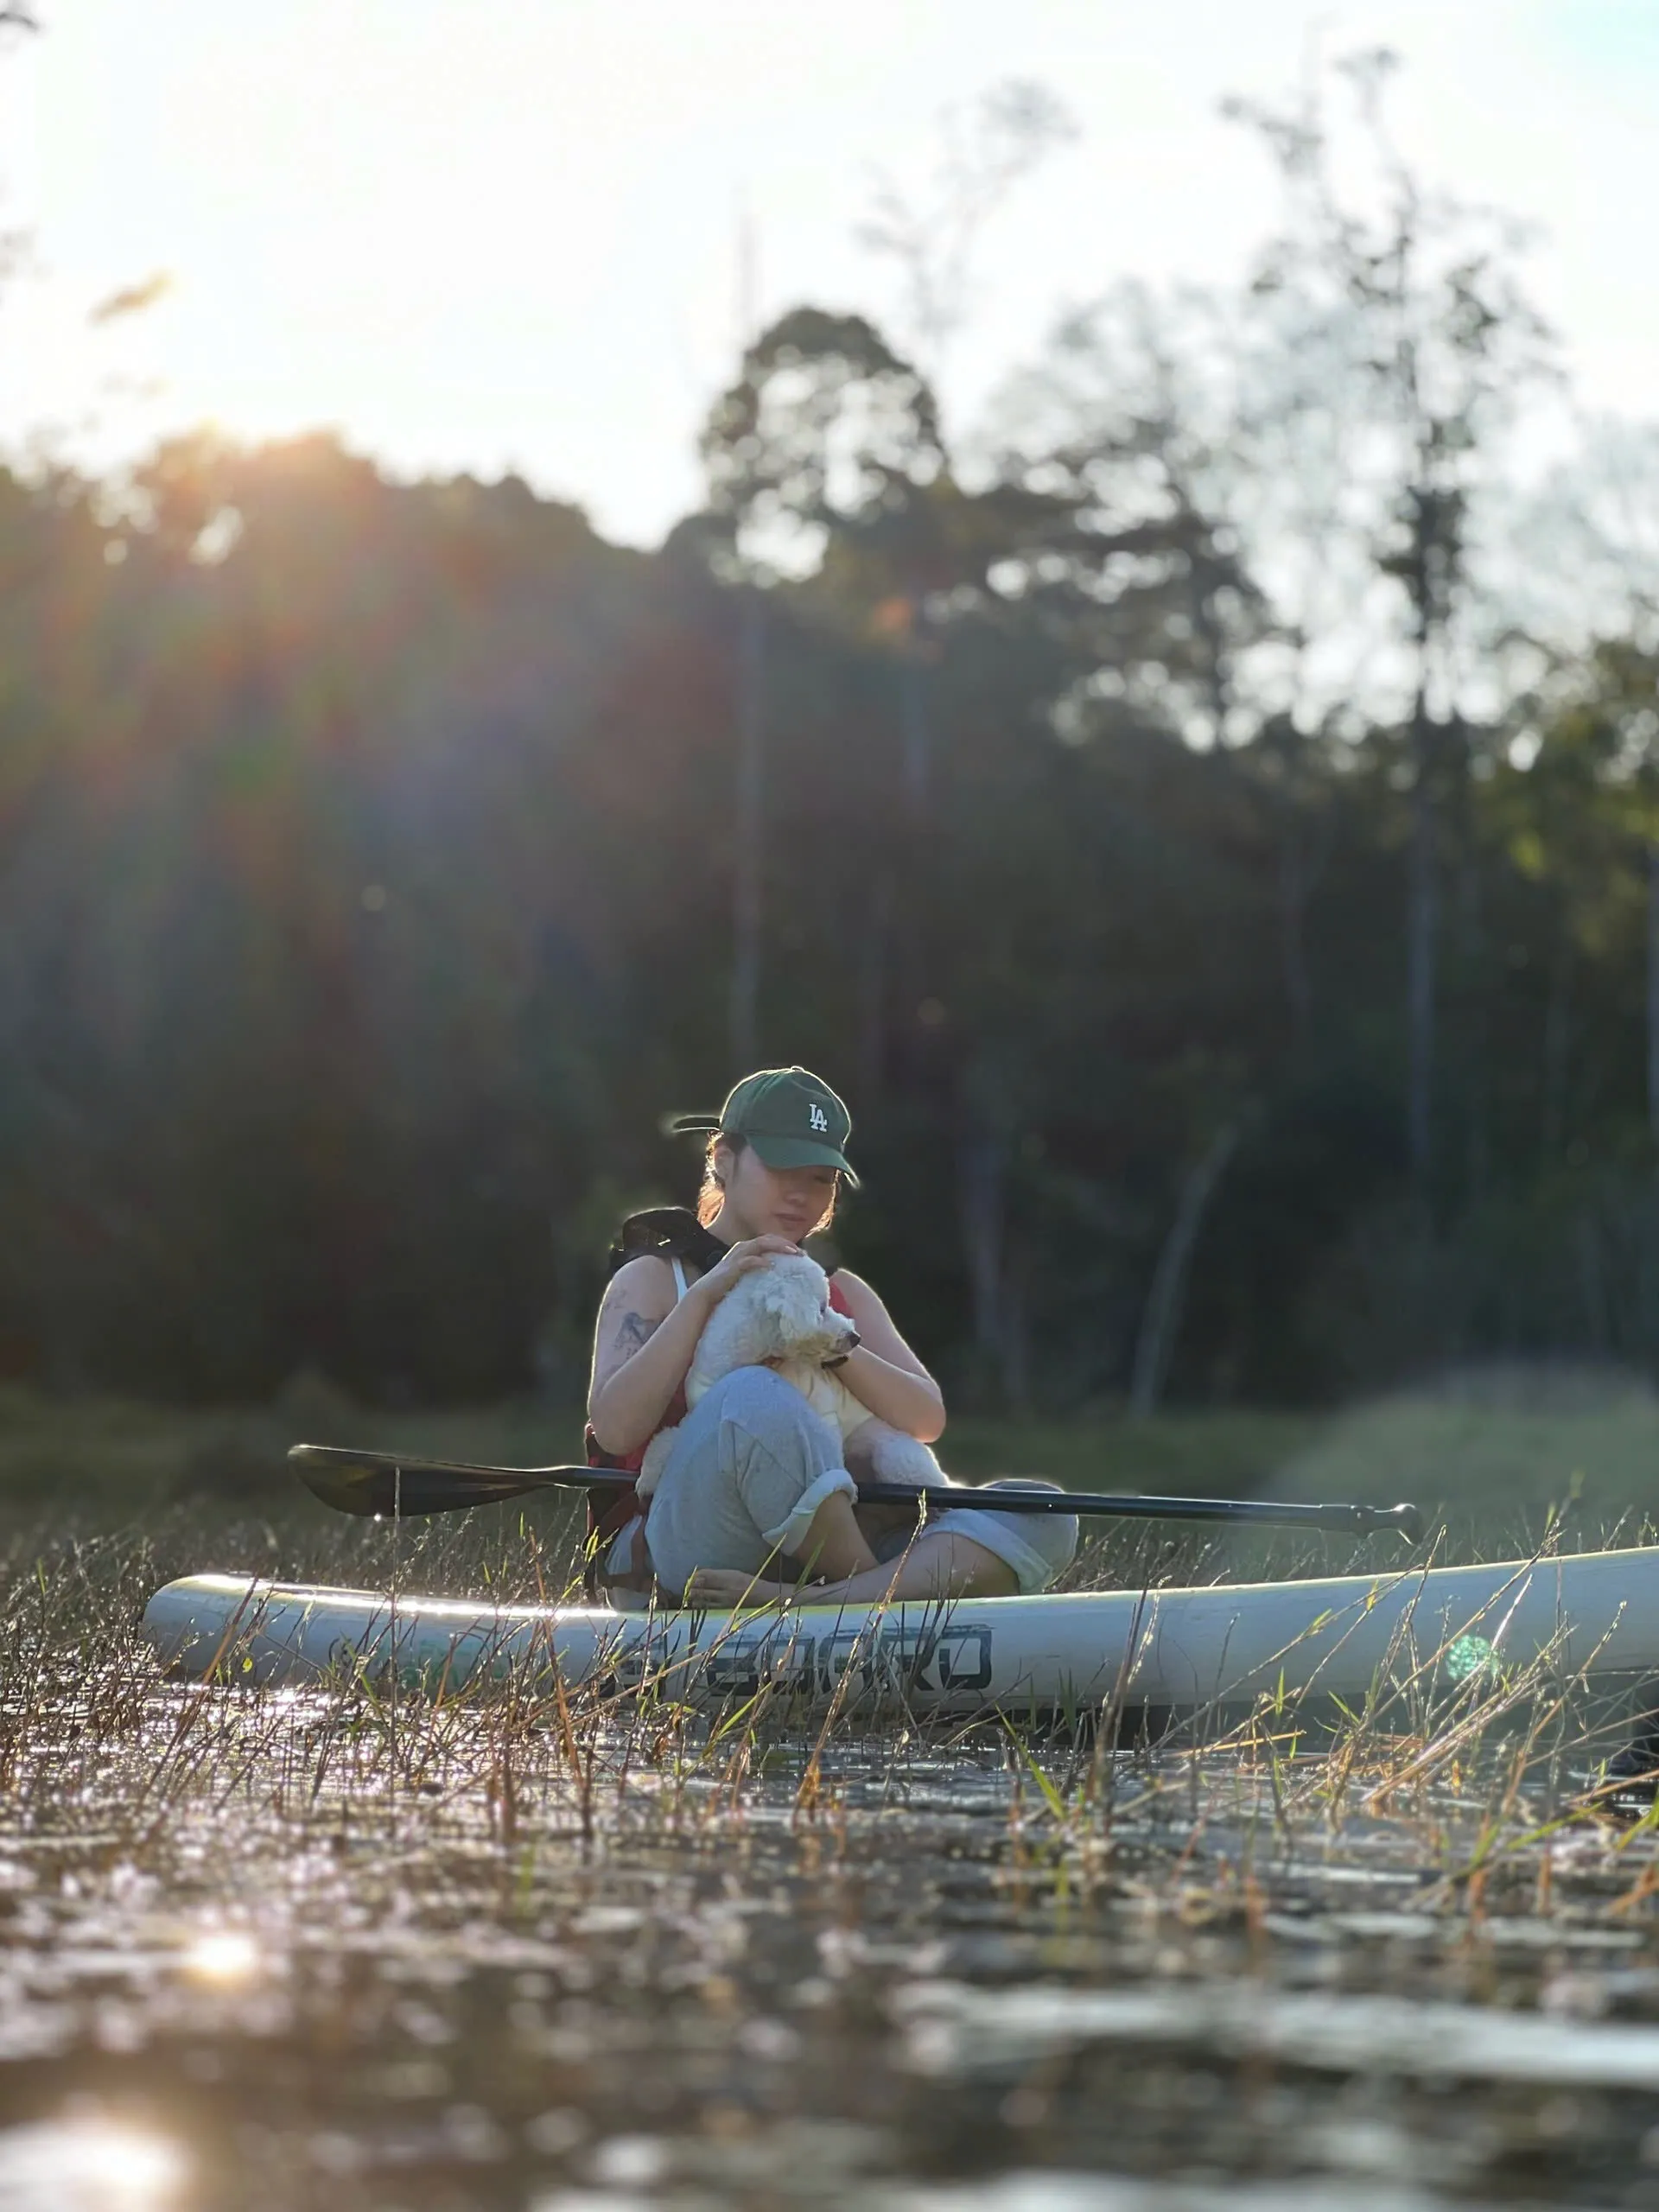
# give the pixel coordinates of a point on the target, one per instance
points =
(88, 2165)
(224, 1956)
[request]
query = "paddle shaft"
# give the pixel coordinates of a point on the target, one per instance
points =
(383, 1482)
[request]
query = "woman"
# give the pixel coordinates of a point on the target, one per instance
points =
(755, 1486)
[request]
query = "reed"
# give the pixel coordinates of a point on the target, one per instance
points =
(529, 1937)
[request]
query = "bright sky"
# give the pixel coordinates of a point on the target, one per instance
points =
(505, 235)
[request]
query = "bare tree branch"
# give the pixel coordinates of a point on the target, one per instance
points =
(983, 155)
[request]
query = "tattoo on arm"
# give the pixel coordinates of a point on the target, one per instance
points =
(632, 1330)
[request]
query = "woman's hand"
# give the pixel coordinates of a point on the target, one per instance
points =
(741, 1260)
(720, 1589)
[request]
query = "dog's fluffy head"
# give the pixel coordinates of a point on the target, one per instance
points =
(780, 1312)
(790, 1296)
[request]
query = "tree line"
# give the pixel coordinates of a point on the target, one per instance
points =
(1206, 821)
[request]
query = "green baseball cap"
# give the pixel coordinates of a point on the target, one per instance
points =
(791, 1116)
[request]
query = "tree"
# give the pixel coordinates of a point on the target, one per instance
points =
(984, 151)
(1412, 308)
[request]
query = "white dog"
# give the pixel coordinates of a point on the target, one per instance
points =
(779, 1316)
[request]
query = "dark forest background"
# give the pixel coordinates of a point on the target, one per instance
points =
(1206, 822)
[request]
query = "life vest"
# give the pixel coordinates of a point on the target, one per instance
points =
(668, 1233)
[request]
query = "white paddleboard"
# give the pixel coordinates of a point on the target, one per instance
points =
(1596, 1613)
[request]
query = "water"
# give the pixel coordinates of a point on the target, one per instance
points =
(310, 1950)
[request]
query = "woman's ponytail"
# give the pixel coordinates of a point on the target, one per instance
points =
(712, 1196)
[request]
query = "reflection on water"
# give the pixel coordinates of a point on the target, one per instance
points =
(1063, 2192)
(87, 2165)
(226, 1956)
(686, 1983)
(344, 1950)
(955, 2030)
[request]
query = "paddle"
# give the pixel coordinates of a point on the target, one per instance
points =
(374, 1484)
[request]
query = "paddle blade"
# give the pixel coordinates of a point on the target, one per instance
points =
(375, 1486)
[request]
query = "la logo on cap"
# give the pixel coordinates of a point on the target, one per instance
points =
(817, 1118)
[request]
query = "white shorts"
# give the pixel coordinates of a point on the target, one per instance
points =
(1037, 1546)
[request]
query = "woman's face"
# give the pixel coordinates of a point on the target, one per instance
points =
(776, 1201)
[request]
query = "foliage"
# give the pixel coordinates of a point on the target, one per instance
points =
(367, 854)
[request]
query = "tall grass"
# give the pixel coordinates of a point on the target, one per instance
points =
(527, 1935)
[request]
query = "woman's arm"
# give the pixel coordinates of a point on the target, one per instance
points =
(883, 1374)
(643, 1341)
(642, 1344)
